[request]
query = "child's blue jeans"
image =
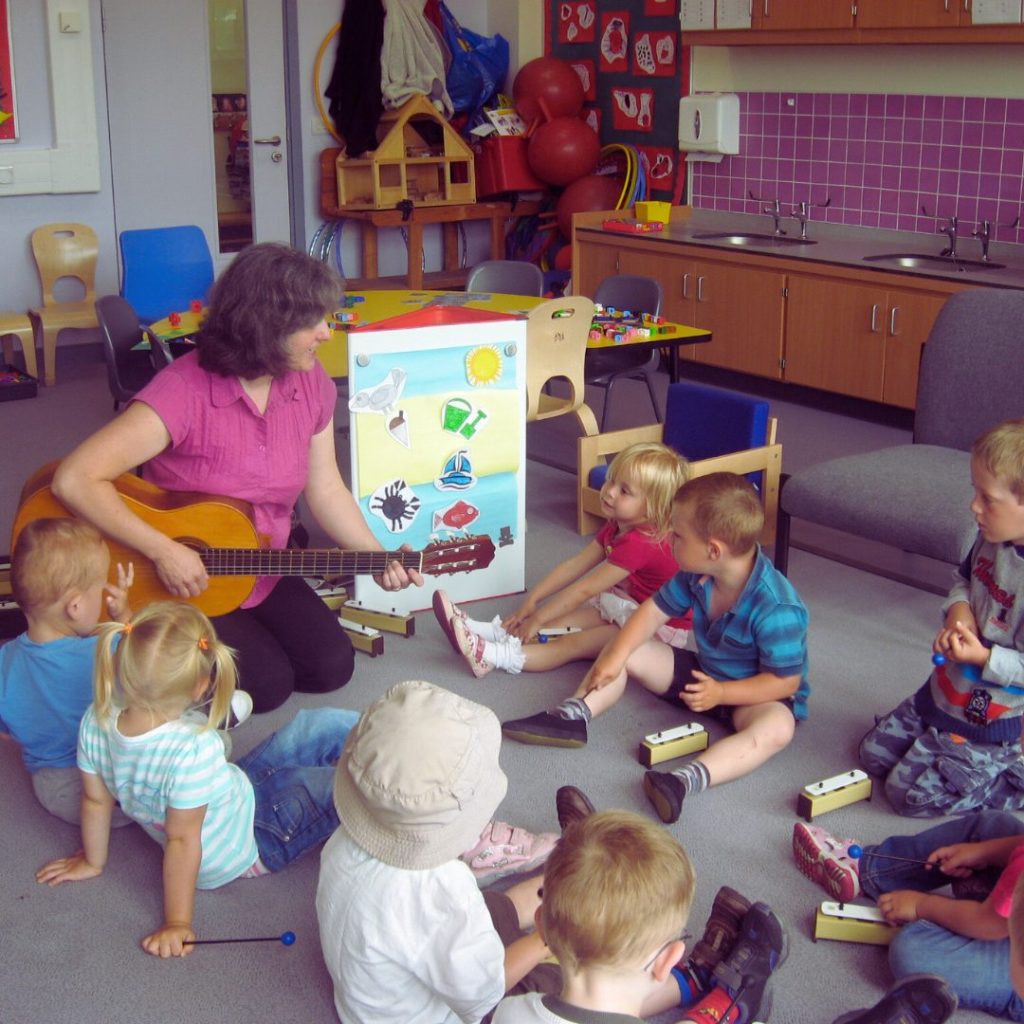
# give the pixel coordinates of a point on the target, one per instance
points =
(978, 970)
(292, 772)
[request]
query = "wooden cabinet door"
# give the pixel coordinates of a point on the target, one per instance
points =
(835, 336)
(743, 308)
(909, 319)
(779, 15)
(597, 261)
(678, 285)
(908, 13)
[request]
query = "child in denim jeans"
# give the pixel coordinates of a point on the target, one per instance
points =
(963, 937)
(216, 821)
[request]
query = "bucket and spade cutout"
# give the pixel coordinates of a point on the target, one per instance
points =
(455, 417)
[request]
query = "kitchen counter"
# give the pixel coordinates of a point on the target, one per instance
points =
(846, 246)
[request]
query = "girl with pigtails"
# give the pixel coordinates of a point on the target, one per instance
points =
(139, 745)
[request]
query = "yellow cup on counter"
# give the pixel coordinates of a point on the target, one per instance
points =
(650, 210)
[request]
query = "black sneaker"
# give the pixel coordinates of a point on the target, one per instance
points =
(547, 730)
(572, 805)
(721, 931)
(745, 972)
(666, 792)
(915, 999)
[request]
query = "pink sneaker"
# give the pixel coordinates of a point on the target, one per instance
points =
(444, 612)
(503, 850)
(471, 647)
(823, 859)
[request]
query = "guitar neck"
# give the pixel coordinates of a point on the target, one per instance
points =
(317, 562)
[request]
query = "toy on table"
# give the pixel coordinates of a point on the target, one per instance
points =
(671, 743)
(622, 325)
(850, 922)
(837, 791)
(285, 938)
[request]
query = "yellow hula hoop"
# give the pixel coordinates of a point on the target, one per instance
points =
(631, 169)
(321, 109)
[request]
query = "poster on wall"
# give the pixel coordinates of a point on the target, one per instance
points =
(628, 56)
(8, 112)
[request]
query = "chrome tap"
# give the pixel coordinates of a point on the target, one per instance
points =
(799, 214)
(983, 233)
(773, 209)
(950, 231)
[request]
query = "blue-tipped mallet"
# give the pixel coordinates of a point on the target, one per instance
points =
(856, 852)
(285, 938)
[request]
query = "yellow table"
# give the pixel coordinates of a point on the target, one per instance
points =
(381, 305)
(384, 304)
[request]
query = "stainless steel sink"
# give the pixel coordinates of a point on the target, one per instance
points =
(925, 261)
(749, 238)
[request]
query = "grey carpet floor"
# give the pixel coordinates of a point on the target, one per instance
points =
(71, 955)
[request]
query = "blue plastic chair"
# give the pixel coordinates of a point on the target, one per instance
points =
(165, 269)
(714, 428)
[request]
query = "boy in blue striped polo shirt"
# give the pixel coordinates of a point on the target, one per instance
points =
(750, 628)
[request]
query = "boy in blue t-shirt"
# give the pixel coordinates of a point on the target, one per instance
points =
(750, 628)
(59, 579)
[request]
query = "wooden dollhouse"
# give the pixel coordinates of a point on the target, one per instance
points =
(419, 157)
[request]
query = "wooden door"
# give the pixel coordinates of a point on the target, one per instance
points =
(835, 336)
(779, 15)
(743, 308)
(909, 321)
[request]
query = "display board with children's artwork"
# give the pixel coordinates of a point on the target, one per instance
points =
(628, 56)
(438, 442)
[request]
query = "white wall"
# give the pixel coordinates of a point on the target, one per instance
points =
(19, 215)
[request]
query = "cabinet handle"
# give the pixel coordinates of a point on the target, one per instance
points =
(892, 322)
(700, 288)
(766, 8)
(686, 286)
(874, 318)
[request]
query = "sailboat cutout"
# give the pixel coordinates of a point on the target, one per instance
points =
(457, 474)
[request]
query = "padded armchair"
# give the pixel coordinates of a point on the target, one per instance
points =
(717, 430)
(164, 269)
(63, 251)
(917, 496)
(506, 277)
(556, 344)
(128, 369)
(606, 366)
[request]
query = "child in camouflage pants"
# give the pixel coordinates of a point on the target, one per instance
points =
(955, 745)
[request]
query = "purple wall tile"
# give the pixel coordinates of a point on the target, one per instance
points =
(880, 157)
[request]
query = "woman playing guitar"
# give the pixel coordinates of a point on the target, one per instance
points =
(249, 415)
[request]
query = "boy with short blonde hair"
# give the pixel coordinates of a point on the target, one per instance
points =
(954, 745)
(59, 579)
(617, 892)
(750, 629)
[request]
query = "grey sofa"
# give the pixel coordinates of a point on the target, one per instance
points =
(916, 497)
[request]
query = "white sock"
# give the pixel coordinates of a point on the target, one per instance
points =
(505, 654)
(493, 630)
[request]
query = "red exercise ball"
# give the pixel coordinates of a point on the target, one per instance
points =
(591, 192)
(563, 150)
(547, 87)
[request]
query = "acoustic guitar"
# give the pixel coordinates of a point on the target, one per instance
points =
(222, 532)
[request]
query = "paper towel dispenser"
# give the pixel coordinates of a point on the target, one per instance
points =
(709, 123)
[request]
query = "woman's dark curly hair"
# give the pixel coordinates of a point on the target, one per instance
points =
(268, 292)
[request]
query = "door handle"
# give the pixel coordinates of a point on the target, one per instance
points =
(274, 140)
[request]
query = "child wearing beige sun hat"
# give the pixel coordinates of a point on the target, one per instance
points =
(406, 933)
